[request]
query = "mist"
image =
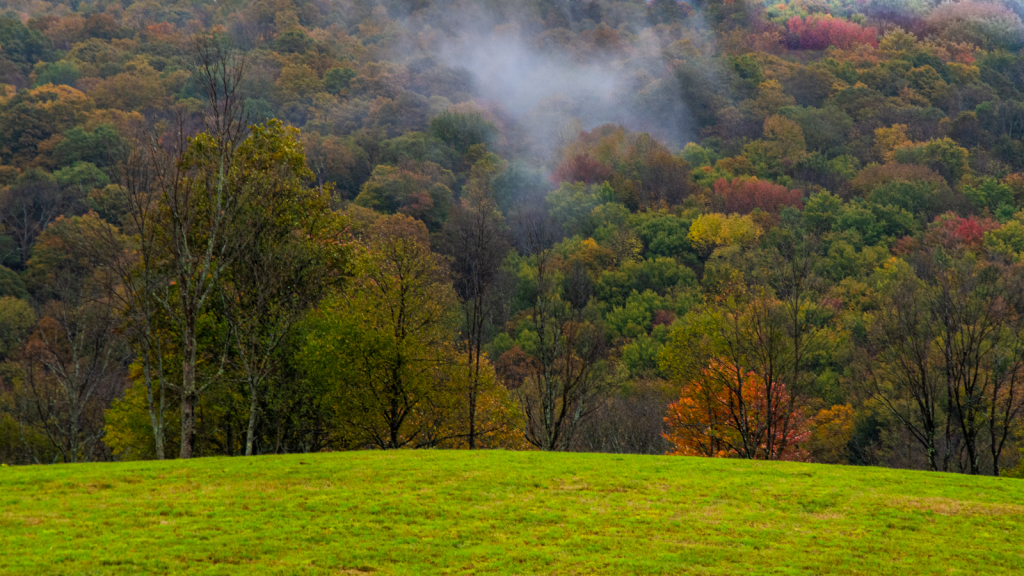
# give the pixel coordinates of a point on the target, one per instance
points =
(552, 91)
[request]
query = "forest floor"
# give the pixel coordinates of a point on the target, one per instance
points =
(439, 512)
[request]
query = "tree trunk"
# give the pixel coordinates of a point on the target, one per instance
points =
(73, 435)
(932, 463)
(472, 418)
(159, 443)
(251, 433)
(188, 395)
(949, 427)
(156, 412)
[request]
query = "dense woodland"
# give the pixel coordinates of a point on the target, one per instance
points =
(782, 231)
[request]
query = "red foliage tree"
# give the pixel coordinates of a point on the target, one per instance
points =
(954, 232)
(820, 32)
(742, 195)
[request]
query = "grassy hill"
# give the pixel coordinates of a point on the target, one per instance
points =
(434, 512)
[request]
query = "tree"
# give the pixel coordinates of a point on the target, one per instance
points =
(831, 432)
(138, 262)
(344, 165)
(35, 115)
(475, 239)
(462, 131)
(948, 358)
(784, 137)
(16, 320)
(726, 413)
(906, 372)
(291, 257)
(61, 72)
(942, 155)
(981, 348)
(560, 378)
(821, 212)
(820, 32)
(711, 230)
(641, 170)
(73, 359)
(991, 194)
(420, 190)
(28, 206)
(825, 130)
(384, 343)
(23, 46)
(735, 355)
(581, 168)
(201, 200)
(988, 26)
(742, 195)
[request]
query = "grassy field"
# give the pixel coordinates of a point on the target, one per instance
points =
(434, 512)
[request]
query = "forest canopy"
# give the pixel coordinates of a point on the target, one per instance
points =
(722, 228)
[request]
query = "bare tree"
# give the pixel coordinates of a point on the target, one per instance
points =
(562, 382)
(26, 209)
(795, 286)
(980, 342)
(1006, 403)
(947, 357)
(630, 421)
(139, 279)
(475, 241)
(905, 369)
(74, 361)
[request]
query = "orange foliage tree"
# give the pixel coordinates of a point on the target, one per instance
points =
(728, 412)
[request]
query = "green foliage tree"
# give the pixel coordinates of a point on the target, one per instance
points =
(290, 254)
(22, 46)
(422, 191)
(942, 155)
(385, 342)
(10, 284)
(98, 147)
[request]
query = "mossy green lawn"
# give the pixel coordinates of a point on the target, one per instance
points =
(437, 512)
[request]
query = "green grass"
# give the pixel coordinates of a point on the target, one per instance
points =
(436, 512)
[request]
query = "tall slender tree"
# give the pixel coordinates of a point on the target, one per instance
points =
(200, 206)
(292, 255)
(475, 240)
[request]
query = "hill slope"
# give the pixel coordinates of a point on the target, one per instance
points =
(434, 512)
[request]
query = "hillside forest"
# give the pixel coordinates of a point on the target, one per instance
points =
(718, 228)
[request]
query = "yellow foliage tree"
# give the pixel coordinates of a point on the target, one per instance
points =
(831, 431)
(785, 137)
(887, 140)
(709, 231)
